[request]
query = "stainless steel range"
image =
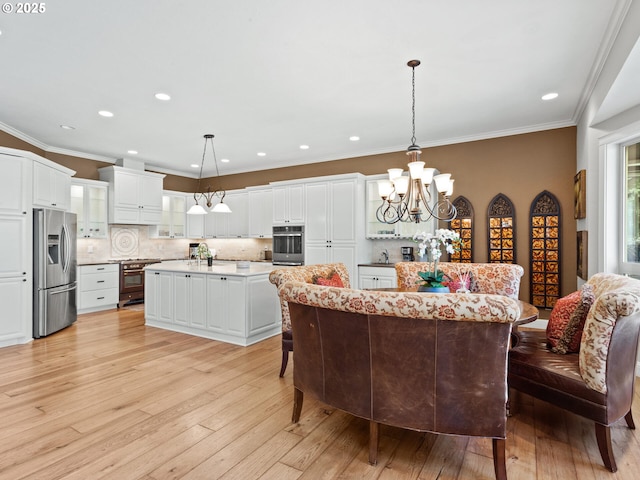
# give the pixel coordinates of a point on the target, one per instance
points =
(132, 279)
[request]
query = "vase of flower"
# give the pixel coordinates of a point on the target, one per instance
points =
(426, 288)
(429, 245)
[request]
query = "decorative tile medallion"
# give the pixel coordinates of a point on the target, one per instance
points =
(124, 242)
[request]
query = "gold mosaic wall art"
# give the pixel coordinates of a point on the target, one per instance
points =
(463, 224)
(502, 225)
(545, 250)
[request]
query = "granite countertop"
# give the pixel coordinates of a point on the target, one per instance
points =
(219, 267)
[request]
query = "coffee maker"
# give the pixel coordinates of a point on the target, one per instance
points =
(193, 251)
(407, 254)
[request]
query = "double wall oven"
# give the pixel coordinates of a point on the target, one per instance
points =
(288, 245)
(132, 279)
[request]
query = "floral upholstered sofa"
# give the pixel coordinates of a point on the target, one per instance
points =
(303, 273)
(597, 382)
(421, 361)
(492, 278)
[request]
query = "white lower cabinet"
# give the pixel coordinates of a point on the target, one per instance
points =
(15, 298)
(158, 297)
(377, 277)
(236, 309)
(98, 287)
(190, 299)
(226, 295)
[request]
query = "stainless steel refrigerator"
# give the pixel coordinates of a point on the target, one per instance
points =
(54, 271)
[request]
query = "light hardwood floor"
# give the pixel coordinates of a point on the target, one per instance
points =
(110, 398)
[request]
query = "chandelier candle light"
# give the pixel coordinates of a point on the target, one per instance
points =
(408, 198)
(208, 197)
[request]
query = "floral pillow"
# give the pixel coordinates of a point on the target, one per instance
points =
(457, 280)
(331, 280)
(566, 322)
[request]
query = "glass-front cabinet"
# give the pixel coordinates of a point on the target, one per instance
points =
(377, 229)
(89, 203)
(174, 216)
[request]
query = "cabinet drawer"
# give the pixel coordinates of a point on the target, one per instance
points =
(98, 281)
(98, 298)
(101, 268)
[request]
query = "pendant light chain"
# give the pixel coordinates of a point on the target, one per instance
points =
(413, 105)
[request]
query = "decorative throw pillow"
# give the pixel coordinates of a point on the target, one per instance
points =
(566, 322)
(455, 282)
(331, 280)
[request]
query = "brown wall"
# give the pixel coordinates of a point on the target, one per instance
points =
(518, 166)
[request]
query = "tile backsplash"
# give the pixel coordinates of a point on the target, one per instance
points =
(133, 241)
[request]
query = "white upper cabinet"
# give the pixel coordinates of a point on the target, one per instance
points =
(331, 211)
(135, 196)
(174, 217)
(229, 225)
(51, 186)
(89, 203)
(288, 204)
(260, 208)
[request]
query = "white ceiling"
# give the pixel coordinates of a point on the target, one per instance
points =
(272, 75)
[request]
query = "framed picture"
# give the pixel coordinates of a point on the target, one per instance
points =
(582, 256)
(579, 194)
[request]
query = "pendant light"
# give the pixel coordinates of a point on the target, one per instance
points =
(407, 198)
(208, 196)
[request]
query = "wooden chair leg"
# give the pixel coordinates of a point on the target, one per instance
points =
(499, 458)
(298, 397)
(374, 433)
(603, 436)
(629, 418)
(285, 360)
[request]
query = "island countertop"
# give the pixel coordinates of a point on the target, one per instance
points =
(219, 267)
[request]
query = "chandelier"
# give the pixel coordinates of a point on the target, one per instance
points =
(208, 196)
(408, 198)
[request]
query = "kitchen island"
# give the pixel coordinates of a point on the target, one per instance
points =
(223, 302)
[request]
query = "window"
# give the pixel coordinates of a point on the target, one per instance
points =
(631, 235)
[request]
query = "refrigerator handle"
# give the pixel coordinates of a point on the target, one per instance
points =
(65, 290)
(67, 247)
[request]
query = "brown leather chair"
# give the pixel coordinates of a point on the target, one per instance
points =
(303, 273)
(598, 382)
(426, 362)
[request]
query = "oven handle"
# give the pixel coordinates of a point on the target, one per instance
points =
(287, 234)
(132, 272)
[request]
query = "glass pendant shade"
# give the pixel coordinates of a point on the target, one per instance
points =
(221, 208)
(394, 173)
(415, 169)
(196, 209)
(385, 187)
(401, 184)
(442, 182)
(427, 175)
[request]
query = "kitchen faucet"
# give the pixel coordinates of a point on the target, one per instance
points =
(385, 255)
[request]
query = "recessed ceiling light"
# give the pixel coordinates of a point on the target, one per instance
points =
(105, 113)
(262, 154)
(132, 152)
(67, 127)
(304, 147)
(224, 160)
(163, 96)
(550, 96)
(194, 165)
(354, 138)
